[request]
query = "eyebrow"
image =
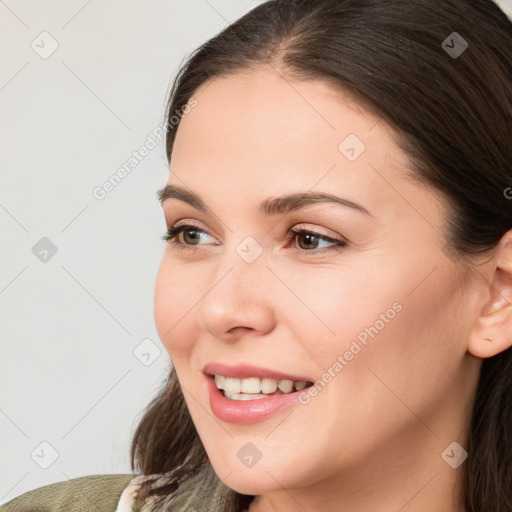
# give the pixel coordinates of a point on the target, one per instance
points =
(270, 206)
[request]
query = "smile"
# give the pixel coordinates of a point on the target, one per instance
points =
(254, 388)
(247, 408)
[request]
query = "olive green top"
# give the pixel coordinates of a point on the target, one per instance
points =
(98, 493)
(202, 491)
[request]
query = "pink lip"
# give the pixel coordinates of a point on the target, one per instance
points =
(246, 412)
(245, 371)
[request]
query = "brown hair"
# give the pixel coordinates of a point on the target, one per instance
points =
(452, 115)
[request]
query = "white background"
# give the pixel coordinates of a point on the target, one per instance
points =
(70, 325)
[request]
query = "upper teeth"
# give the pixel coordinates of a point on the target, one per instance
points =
(256, 385)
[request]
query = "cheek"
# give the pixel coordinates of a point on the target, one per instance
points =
(365, 325)
(175, 295)
(333, 307)
(410, 355)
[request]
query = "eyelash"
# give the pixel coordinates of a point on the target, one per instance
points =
(173, 232)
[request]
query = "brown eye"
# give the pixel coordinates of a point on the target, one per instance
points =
(191, 235)
(308, 241)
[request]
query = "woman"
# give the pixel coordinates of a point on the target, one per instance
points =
(339, 238)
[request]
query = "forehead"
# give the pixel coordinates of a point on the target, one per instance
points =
(264, 107)
(264, 134)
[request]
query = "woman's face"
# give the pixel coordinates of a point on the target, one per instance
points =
(379, 321)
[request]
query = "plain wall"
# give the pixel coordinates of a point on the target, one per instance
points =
(76, 322)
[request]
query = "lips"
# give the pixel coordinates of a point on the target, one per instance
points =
(248, 412)
(245, 371)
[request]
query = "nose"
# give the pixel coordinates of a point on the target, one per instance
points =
(238, 301)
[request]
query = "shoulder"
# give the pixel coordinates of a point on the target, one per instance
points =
(101, 493)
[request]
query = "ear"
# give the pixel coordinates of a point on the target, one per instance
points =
(495, 318)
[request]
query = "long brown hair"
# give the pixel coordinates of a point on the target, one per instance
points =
(452, 114)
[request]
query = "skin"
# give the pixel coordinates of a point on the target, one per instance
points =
(372, 439)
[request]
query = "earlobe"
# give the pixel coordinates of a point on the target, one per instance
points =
(492, 332)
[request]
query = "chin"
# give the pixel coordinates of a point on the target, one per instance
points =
(260, 478)
(247, 482)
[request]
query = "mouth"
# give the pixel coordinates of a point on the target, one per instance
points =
(247, 382)
(256, 388)
(246, 394)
